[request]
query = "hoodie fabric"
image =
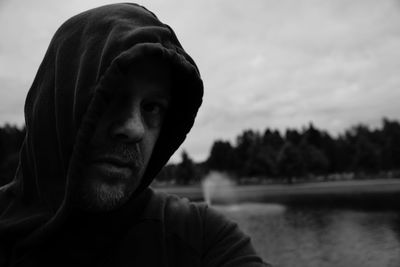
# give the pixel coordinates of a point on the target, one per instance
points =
(39, 224)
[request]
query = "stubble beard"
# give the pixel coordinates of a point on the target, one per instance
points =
(104, 189)
(97, 195)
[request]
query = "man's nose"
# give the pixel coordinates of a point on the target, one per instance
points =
(130, 128)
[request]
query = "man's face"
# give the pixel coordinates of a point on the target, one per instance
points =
(125, 136)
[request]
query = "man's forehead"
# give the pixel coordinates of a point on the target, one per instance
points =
(153, 76)
(151, 67)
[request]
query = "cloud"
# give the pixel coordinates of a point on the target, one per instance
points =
(283, 64)
(264, 63)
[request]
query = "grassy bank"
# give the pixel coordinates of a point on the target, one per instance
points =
(365, 194)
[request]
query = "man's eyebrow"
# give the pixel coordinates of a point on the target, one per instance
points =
(160, 94)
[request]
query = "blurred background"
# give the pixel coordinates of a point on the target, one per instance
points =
(298, 138)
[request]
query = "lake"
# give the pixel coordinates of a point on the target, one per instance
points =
(321, 237)
(338, 223)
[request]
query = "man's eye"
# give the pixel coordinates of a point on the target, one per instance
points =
(154, 112)
(153, 108)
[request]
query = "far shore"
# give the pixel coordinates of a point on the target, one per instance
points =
(373, 194)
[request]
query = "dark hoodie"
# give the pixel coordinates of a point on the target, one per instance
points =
(39, 224)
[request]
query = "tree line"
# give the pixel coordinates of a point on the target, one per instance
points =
(257, 156)
(306, 154)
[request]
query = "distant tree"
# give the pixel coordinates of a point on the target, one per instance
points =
(167, 173)
(366, 158)
(342, 155)
(222, 157)
(314, 159)
(293, 136)
(390, 145)
(290, 162)
(273, 140)
(262, 163)
(247, 145)
(365, 150)
(186, 170)
(313, 136)
(264, 154)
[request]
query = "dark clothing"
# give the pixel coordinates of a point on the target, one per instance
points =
(40, 223)
(169, 232)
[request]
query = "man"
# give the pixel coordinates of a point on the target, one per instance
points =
(114, 97)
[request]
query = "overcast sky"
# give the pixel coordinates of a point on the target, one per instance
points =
(265, 63)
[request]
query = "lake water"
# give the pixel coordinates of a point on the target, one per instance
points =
(309, 237)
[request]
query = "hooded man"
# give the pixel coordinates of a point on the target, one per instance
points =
(113, 99)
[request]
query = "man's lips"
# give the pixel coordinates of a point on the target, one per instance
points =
(111, 169)
(116, 161)
(106, 167)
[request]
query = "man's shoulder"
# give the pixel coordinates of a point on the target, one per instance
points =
(198, 231)
(214, 237)
(175, 211)
(190, 222)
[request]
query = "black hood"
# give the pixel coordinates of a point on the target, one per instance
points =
(87, 57)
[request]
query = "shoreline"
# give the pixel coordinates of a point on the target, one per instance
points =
(365, 194)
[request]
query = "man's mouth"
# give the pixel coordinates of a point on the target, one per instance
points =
(113, 166)
(113, 170)
(111, 160)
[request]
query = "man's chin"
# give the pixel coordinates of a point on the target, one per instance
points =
(99, 196)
